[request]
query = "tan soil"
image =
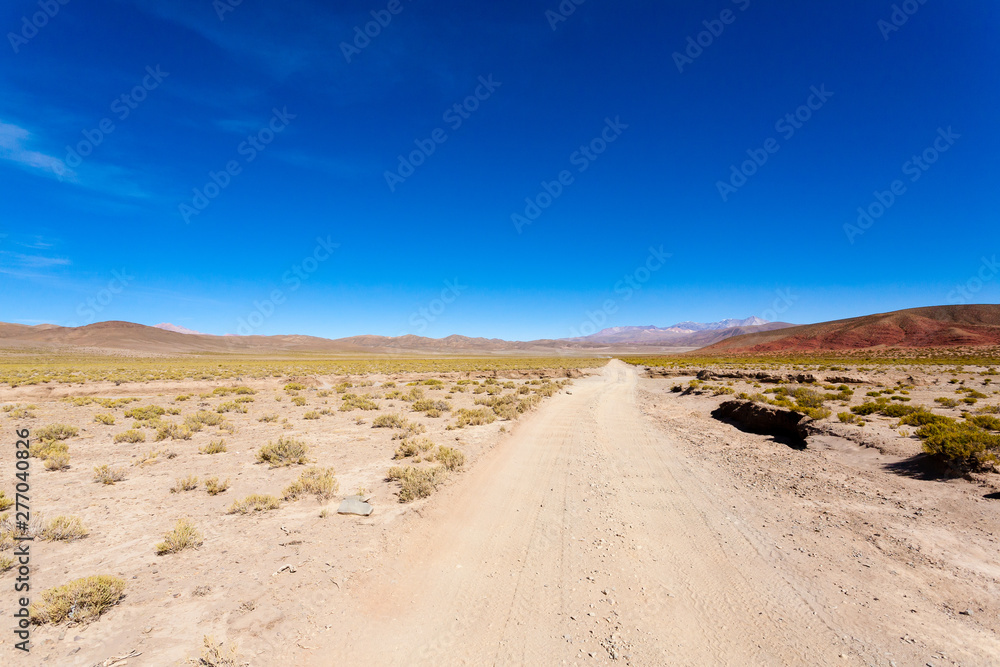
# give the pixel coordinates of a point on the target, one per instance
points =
(619, 523)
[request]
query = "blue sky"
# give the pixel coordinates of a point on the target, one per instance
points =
(303, 231)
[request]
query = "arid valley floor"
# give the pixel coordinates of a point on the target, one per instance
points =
(611, 520)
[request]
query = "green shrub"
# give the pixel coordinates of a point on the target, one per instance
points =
(946, 402)
(961, 443)
(898, 410)
(987, 422)
(866, 409)
(923, 418)
(106, 419)
(849, 418)
(294, 386)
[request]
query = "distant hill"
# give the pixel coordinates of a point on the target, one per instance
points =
(684, 334)
(933, 326)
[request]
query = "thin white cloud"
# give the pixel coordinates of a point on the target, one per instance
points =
(92, 175)
(13, 148)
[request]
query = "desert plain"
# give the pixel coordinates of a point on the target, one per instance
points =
(563, 511)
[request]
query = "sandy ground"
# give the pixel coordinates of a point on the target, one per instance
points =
(623, 524)
(618, 524)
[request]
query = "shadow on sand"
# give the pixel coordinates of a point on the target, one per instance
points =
(924, 466)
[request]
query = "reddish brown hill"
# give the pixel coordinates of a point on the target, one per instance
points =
(934, 326)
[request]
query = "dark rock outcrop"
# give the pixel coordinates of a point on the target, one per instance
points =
(785, 425)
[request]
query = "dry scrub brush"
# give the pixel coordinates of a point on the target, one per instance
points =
(319, 482)
(80, 601)
(284, 452)
(254, 503)
(106, 474)
(416, 483)
(183, 536)
(64, 529)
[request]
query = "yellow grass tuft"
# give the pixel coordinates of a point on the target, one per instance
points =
(254, 503)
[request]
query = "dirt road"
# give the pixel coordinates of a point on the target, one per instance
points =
(592, 537)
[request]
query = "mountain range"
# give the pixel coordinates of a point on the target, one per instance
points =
(683, 334)
(937, 326)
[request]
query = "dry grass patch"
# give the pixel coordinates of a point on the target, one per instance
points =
(214, 447)
(146, 413)
(319, 482)
(183, 536)
(214, 655)
(55, 432)
(312, 414)
(56, 461)
(189, 483)
(64, 529)
(5, 502)
(254, 503)
(214, 486)
(105, 418)
(450, 458)
(153, 456)
(355, 402)
(466, 417)
(172, 431)
(80, 601)
(132, 435)
(53, 453)
(416, 483)
(284, 452)
(270, 417)
(105, 474)
(388, 421)
(18, 411)
(413, 448)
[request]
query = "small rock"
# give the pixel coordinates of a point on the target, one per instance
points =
(148, 629)
(967, 612)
